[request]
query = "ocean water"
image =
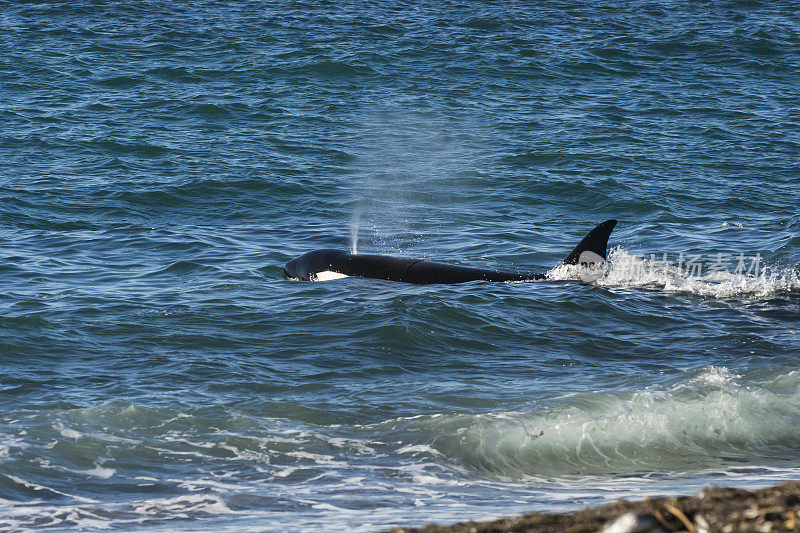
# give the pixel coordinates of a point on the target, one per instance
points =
(161, 161)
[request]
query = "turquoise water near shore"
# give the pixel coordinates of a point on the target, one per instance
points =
(159, 164)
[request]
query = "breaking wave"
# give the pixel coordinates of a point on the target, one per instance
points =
(711, 422)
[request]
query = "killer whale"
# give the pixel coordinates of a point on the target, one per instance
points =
(338, 263)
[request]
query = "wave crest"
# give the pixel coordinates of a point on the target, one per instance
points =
(706, 423)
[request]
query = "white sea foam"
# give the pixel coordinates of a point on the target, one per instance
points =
(716, 376)
(97, 471)
(729, 223)
(37, 487)
(284, 471)
(418, 449)
(200, 485)
(328, 507)
(350, 444)
(66, 431)
(186, 504)
(626, 270)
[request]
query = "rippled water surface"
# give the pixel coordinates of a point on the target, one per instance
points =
(160, 162)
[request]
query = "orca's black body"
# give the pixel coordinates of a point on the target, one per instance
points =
(307, 266)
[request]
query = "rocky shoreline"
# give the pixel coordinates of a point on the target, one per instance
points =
(719, 509)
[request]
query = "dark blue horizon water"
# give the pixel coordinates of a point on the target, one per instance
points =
(159, 163)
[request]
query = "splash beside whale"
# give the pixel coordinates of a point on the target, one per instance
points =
(326, 264)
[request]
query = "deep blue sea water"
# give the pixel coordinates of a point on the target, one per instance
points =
(161, 161)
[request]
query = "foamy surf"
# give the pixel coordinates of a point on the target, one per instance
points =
(709, 423)
(628, 270)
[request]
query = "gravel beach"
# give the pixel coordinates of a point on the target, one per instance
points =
(717, 509)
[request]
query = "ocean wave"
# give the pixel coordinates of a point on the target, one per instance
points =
(710, 421)
(217, 462)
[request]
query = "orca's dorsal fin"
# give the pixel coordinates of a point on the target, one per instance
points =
(595, 241)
